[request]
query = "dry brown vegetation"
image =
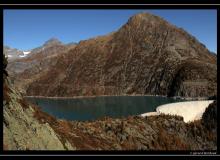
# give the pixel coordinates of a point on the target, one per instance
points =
(167, 141)
(23, 103)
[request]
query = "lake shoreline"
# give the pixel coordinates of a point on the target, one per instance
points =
(143, 113)
(78, 97)
(97, 106)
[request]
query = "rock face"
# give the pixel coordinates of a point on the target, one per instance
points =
(209, 118)
(147, 55)
(21, 128)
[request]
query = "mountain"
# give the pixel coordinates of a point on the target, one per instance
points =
(72, 44)
(25, 70)
(147, 55)
(52, 42)
(26, 127)
(13, 53)
(50, 49)
(48, 45)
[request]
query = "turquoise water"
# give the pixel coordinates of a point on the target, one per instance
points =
(97, 107)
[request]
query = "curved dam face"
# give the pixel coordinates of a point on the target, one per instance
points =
(190, 111)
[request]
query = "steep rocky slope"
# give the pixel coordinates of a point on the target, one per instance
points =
(26, 127)
(147, 55)
(21, 129)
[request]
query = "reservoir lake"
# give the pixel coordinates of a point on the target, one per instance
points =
(92, 108)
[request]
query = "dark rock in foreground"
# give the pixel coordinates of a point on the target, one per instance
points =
(209, 118)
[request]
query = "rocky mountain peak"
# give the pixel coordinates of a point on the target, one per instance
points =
(146, 18)
(52, 41)
(46, 47)
(143, 15)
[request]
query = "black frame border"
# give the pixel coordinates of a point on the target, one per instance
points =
(109, 7)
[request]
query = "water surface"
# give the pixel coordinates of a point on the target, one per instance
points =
(92, 108)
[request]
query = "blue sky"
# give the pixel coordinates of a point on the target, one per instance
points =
(27, 29)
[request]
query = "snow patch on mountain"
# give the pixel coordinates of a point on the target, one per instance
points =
(26, 52)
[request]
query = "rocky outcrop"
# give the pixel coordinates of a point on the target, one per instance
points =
(23, 132)
(209, 118)
(21, 129)
(147, 55)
